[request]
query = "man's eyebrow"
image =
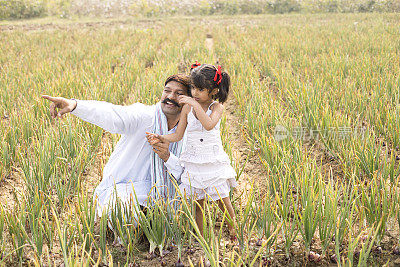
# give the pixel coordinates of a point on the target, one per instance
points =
(179, 90)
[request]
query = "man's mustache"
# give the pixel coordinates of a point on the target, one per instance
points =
(172, 101)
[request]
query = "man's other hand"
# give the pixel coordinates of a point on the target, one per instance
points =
(60, 105)
(160, 145)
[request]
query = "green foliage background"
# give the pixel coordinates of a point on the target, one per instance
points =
(22, 9)
(326, 73)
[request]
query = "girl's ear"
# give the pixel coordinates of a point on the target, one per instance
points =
(214, 92)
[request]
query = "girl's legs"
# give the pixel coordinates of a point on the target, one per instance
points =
(199, 214)
(223, 204)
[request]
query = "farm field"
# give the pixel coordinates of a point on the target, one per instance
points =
(312, 126)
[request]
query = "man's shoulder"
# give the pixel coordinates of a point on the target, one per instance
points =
(142, 109)
(142, 106)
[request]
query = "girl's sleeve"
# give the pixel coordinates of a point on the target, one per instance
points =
(110, 117)
(174, 166)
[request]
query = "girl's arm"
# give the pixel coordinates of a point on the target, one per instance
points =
(208, 122)
(180, 130)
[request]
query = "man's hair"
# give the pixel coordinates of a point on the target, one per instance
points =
(183, 79)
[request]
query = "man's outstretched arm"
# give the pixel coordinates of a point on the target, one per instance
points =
(110, 117)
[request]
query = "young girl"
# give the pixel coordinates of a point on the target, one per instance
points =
(207, 169)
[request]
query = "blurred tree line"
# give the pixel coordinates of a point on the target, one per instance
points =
(23, 9)
(20, 9)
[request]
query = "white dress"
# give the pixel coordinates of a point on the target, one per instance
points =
(207, 169)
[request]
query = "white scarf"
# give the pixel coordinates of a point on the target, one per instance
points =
(162, 181)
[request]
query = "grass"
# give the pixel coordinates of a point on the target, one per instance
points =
(332, 193)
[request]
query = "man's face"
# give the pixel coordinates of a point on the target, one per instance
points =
(169, 98)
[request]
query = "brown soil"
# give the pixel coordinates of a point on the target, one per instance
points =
(11, 186)
(254, 172)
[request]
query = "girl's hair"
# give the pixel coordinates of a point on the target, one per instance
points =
(206, 76)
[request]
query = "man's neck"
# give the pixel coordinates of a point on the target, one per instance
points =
(172, 121)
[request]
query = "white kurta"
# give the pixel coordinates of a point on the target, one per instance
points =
(128, 167)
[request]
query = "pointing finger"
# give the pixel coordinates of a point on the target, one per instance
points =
(53, 99)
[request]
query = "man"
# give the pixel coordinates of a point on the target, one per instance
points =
(134, 166)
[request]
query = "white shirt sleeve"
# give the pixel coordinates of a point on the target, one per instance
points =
(110, 117)
(174, 167)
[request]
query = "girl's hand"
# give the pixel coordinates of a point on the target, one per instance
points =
(159, 145)
(184, 99)
(152, 138)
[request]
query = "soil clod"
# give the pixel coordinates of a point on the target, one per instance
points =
(314, 257)
(179, 264)
(151, 256)
(334, 258)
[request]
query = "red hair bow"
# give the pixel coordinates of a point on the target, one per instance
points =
(218, 72)
(195, 65)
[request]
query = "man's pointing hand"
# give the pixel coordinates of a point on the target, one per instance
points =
(60, 105)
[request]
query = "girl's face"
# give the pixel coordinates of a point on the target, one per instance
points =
(203, 95)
